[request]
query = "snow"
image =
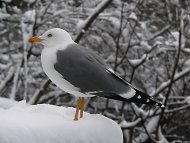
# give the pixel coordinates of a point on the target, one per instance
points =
(80, 25)
(4, 15)
(166, 83)
(176, 36)
(6, 103)
(161, 137)
(7, 1)
(145, 45)
(139, 111)
(114, 21)
(30, 1)
(52, 124)
(150, 127)
(186, 63)
(187, 99)
(175, 2)
(30, 15)
(133, 16)
(137, 62)
(186, 50)
(125, 124)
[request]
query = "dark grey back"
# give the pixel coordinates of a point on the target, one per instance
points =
(86, 70)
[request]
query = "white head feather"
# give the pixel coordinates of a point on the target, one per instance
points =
(55, 37)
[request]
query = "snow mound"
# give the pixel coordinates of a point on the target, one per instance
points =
(45, 123)
(6, 103)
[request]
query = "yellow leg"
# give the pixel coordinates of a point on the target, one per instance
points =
(82, 107)
(77, 109)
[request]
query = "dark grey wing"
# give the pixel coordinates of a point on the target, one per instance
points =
(87, 71)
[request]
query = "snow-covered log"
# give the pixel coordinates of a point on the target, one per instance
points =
(52, 124)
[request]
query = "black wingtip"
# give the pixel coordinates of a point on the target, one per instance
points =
(145, 99)
(139, 97)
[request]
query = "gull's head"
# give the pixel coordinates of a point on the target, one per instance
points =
(53, 37)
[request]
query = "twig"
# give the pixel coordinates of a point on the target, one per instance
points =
(173, 72)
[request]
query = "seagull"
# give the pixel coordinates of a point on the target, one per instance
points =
(81, 72)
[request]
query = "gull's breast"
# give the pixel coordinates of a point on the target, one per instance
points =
(48, 60)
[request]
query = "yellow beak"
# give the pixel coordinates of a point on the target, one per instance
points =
(35, 39)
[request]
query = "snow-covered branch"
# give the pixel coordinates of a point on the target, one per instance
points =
(165, 84)
(127, 125)
(163, 30)
(137, 62)
(15, 82)
(87, 23)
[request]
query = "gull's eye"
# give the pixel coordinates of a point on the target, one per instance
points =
(50, 35)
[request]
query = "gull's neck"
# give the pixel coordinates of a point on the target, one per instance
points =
(58, 46)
